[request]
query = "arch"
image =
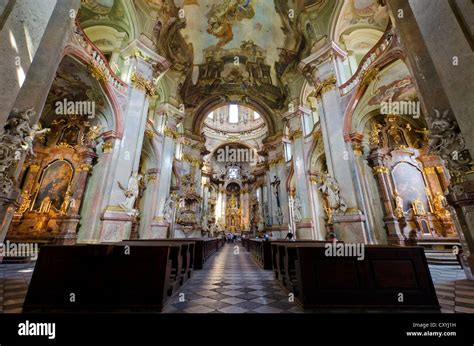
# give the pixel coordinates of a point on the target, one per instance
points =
(215, 102)
(80, 56)
(391, 57)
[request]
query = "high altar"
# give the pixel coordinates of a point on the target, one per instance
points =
(233, 216)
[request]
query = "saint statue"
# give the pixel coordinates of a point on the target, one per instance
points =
(398, 212)
(25, 202)
(68, 203)
(168, 208)
(45, 206)
(297, 210)
(131, 193)
(439, 202)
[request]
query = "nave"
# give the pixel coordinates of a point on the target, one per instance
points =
(233, 283)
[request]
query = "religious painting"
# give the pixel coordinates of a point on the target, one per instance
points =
(54, 183)
(69, 136)
(410, 185)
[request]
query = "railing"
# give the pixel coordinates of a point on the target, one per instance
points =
(372, 55)
(98, 60)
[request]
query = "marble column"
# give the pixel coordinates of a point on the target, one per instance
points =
(117, 222)
(169, 117)
(32, 40)
(351, 225)
(304, 227)
(277, 168)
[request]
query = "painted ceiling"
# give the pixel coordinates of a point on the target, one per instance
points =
(229, 23)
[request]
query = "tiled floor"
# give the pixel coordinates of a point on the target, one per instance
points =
(232, 283)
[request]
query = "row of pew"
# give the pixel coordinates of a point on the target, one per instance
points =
(387, 278)
(129, 276)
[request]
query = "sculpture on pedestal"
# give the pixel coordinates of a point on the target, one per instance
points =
(398, 211)
(168, 208)
(297, 212)
(333, 201)
(131, 193)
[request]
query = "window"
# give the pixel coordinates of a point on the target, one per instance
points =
(233, 114)
(211, 115)
(256, 116)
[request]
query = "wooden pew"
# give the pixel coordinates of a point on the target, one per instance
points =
(261, 251)
(180, 254)
(204, 248)
(100, 278)
(376, 282)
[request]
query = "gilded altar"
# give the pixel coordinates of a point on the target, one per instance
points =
(53, 181)
(233, 216)
(413, 179)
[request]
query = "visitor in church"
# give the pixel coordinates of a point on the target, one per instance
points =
(289, 236)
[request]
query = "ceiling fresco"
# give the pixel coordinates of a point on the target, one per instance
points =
(227, 24)
(232, 48)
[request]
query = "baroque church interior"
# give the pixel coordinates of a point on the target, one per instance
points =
(241, 136)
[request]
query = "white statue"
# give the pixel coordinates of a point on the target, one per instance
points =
(131, 193)
(168, 209)
(27, 144)
(16, 138)
(279, 216)
(330, 188)
(297, 213)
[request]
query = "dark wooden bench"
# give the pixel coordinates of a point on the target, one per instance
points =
(204, 248)
(283, 260)
(395, 278)
(100, 278)
(261, 251)
(181, 255)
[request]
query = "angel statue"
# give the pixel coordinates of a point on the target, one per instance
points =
(131, 193)
(27, 143)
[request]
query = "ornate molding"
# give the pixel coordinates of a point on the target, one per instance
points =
(107, 147)
(171, 133)
(86, 167)
(381, 170)
(276, 161)
(96, 71)
(295, 134)
(141, 83)
(193, 161)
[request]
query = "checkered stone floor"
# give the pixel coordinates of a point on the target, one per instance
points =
(14, 281)
(231, 283)
(455, 293)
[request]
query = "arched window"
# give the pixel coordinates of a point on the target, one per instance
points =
(233, 114)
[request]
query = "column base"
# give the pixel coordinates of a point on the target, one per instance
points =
(159, 229)
(304, 230)
(116, 226)
(350, 227)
